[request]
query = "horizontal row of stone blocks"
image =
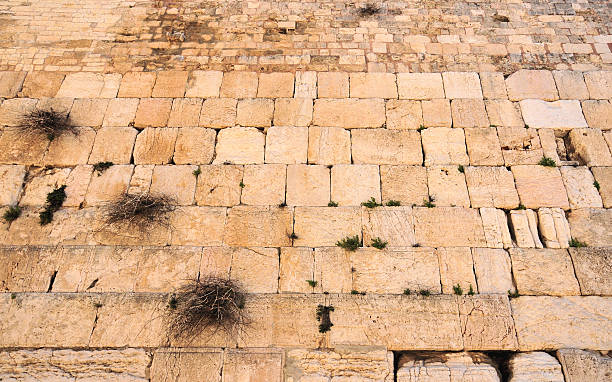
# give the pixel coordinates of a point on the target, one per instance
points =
(555, 272)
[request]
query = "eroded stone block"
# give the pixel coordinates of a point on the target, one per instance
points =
(155, 146)
(491, 187)
(384, 146)
(264, 184)
(405, 184)
(325, 226)
(538, 84)
(286, 145)
(553, 115)
(593, 269)
(540, 186)
(444, 146)
(352, 185)
(544, 272)
(259, 226)
(420, 85)
(329, 145)
(240, 145)
(349, 113)
(219, 185)
(113, 144)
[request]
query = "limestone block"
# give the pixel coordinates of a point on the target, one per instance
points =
(141, 179)
(384, 146)
(286, 145)
(240, 145)
(543, 272)
(305, 84)
(333, 85)
(219, 185)
(185, 112)
(89, 85)
(256, 269)
(443, 145)
(592, 267)
(296, 267)
(11, 182)
(216, 261)
(13, 110)
(376, 271)
(436, 113)
(308, 185)
(540, 186)
(491, 187)
(26, 268)
(275, 85)
(372, 85)
(548, 141)
(599, 84)
(187, 364)
(88, 112)
(239, 85)
(520, 146)
(535, 367)
(170, 84)
(155, 146)
(404, 114)
(570, 84)
(128, 365)
(110, 185)
(598, 114)
(584, 365)
(332, 270)
(255, 112)
(60, 105)
(329, 145)
(194, 145)
(493, 85)
(590, 147)
(405, 184)
(325, 226)
(395, 225)
(250, 365)
(70, 149)
(76, 185)
(292, 112)
(524, 228)
(120, 112)
(137, 85)
(580, 189)
(603, 176)
(258, 226)
(198, 226)
(447, 186)
(538, 84)
(420, 85)
(563, 114)
(40, 183)
(204, 84)
(456, 268)
(113, 144)
(41, 84)
(448, 367)
(486, 323)
(551, 322)
(218, 112)
(495, 225)
(153, 112)
(363, 364)
(504, 113)
(592, 226)
(461, 85)
(177, 182)
(264, 184)
(553, 227)
(349, 113)
(352, 185)
(483, 147)
(493, 270)
(469, 113)
(448, 227)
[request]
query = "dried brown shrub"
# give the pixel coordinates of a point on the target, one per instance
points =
(46, 122)
(140, 211)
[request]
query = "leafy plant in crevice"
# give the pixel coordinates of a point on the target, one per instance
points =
(458, 290)
(312, 283)
(55, 199)
(100, 167)
(12, 213)
(332, 204)
(424, 292)
(471, 291)
(514, 294)
(378, 243)
(429, 202)
(547, 162)
(371, 203)
(575, 243)
(393, 203)
(324, 318)
(350, 243)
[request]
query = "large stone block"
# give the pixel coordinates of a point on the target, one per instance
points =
(113, 144)
(186, 364)
(603, 176)
(352, 185)
(185, 112)
(579, 183)
(436, 113)
(446, 367)
(404, 114)
(584, 365)
(70, 149)
(219, 185)
(504, 113)
(395, 225)
(405, 184)
(11, 182)
(218, 112)
(286, 145)
(447, 186)
(540, 186)
(520, 146)
(493, 85)
(495, 225)
(599, 84)
(13, 110)
(240, 145)
(598, 114)
(461, 85)
(535, 367)
(593, 268)
(109, 186)
(40, 183)
(256, 112)
(483, 147)
(305, 84)
(296, 268)
(153, 112)
(41, 84)
(554, 228)
(448, 227)
(493, 270)
(420, 85)
(349, 113)
(176, 182)
(275, 85)
(333, 85)
(491, 187)
(486, 323)
(204, 84)
(137, 84)
(538, 84)
(469, 113)
(253, 365)
(524, 226)
(264, 184)
(308, 185)
(324, 226)
(332, 270)
(570, 84)
(590, 147)
(194, 145)
(89, 85)
(239, 85)
(443, 145)
(384, 146)
(329, 145)
(456, 269)
(88, 112)
(373, 85)
(27, 268)
(120, 112)
(259, 226)
(256, 269)
(544, 272)
(197, 226)
(293, 112)
(170, 84)
(553, 115)
(592, 226)
(155, 146)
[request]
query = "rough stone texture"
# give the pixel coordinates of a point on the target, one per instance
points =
(520, 146)
(11, 182)
(177, 182)
(308, 185)
(240, 145)
(493, 85)
(598, 114)
(264, 184)
(405, 184)
(535, 367)
(486, 323)
(352, 185)
(544, 272)
(189, 364)
(493, 270)
(332, 270)
(219, 185)
(218, 112)
(113, 144)
(42, 84)
(372, 85)
(137, 84)
(41, 183)
(592, 267)
(504, 113)
(395, 225)
(153, 112)
(461, 85)
(324, 226)
(155, 146)
(247, 365)
(185, 112)
(120, 112)
(491, 187)
(540, 186)
(436, 113)
(292, 112)
(448, 226)
(483, 147)
(469, 113)
(239, 85)
(70, 149)
(592, 226)
(141, 179)
(170, 84)
(554, 228)
(13, 110)
(495, 225)
(204, 84)
(333, 85)
(599, 84)
(603, 176)
(590, 147)
(89, 85)
(584, 365)
(194, 145)
(580, 189)
(570, 84)
(329, 145)
(526, 84)
(296, 266)
(444, 146)
(111, 184)
(305, 84)
(76, 185)
(88, 112)
(17, 149)
(349, 113)
(420, 85)
(446, 367)
(383, 146)
(447, 186)
(403, 114)
(525, 228)
(258, 226)
(197, 226)
(275, 85)
(257, 112)
(456, 268)
(554, 115)
(286, 145)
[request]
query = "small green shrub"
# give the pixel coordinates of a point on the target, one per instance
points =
(596, 185)
(55, 199)
(371, 203)
(575, 243)
(100, 167)
(12, 214)
(407, 291)
(332, 204)
(547, 162)
(350, 243)
(354, 291)
(520, 207)
(461, 169)
(312, 283)
(393, 203)
(378, 243)
(197, 172)
(292, 236)
(458, 290)
(513, 294)
(424, 292)
(324, 319)
(421, 128)
(471, 291)
(241, 184)
(429, 202)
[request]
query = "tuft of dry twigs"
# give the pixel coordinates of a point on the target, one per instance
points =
(140, 211)
(369, 9)
(47, 122)
(211, 302)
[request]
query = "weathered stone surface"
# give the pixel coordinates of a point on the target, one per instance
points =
(286, 145)
(570, 84)
(258, 226)
(456, 268)
(483, 147)
(40, 183)
(524, 225)
(534, 367)
(538, 84)
(264, 184)
(448, 227)
(239, 84)
(544, 322)
(495, 225)
(599, 84)
(70, 149)
(332, 270)
(446, 367)
(77, 184)
(333, 85)
(420, 85)
(443, 145)
(308, 185)
(593, 268)
(520, 146)
(554, 115)
(324, 226)
(13, 110)
(296, 267)
(349, 113)
(383, 146)
(252, 365)
(491, 187)
(584, 365)
(186, 364)
(554, 228)
(170, 84)
(540, 186)
(504, 113)
(275, 85)
(404, 114)
(469, 113)
(486, 323)
(120, 112)
(436, 113)
(11, 181)
(153, 112)
(137, 84)
(461, 85)
(493, 85)
(598, 114)
(372, 85)
(194, 145)
(603, 176)
(141, 179)
(113, 144)
(219, 185)
(15, 148)
(256, 269)
(493, 270)
(88, 112)
(592, 226)
(543, 272)
(240, 145)
(329, 145)
(176, 182)
(352, 185)
(305, 84)
(590, 147)
(42, 84)
(394, 225)
(204, 84)
(26, 268)
(89, 85)
(447, 186)
(218, 112)
(185, 112)
(548, 141)
(292, 112)
(580, 189)
(155, 146)
(111, 184)
(405, 184)
(257, 112)
(197, 226)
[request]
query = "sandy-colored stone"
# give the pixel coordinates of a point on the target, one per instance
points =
(549, 141)
(11, 182)
(204, 84)
(590, 147)
(493, 270)
(292, 112)
(444, 146)
(437, 113)
(141, 179)
(296, 267)
(495, 225)
(535, 367)
(491, 187)
(286, 145)
(185, 112)
(372, 85)
(308, 185)
(77, 184)
(329, 145)
(42, 84)
(120, 112)
(240, 145)
(255, 112)
(540, 186)
(88, 112)
(256, 269)
(562, 114)
(469, 113)
(153, 112)
(264, 184)
(333, 85)
(219, 185)
(186, 364)
(352, 185)
(13, 110)
(592, 267)
(258, 226)
(525, 228)
(520, 146)
(544, 272)
(447, 186)
(194, 145)
(486, 323)
(584, 365)
(395, 225)
(239, 85)
(483, 147)
(404, 114)
(504, 113)
(420, 85)
(170, 84)
(580, 189)
(461, 85)
(137, 85)
(332, 270)
(599, 84)
(177, 182)
(603, 176)
(305, 84)
(456, 268)
(538, 84)
(349, 113)
(493, 85)
(383, 146)
(448, 227)
(324, 226)
(570, 84)
(554, 228)
(113, 144)
(598, 114)
(40, 183)
(155, 146)
(249, 365)
(198, 226)
(275, 85)
(405, 184)
(218, 112)
(89, 85)
(111, 184)
(448, 367)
